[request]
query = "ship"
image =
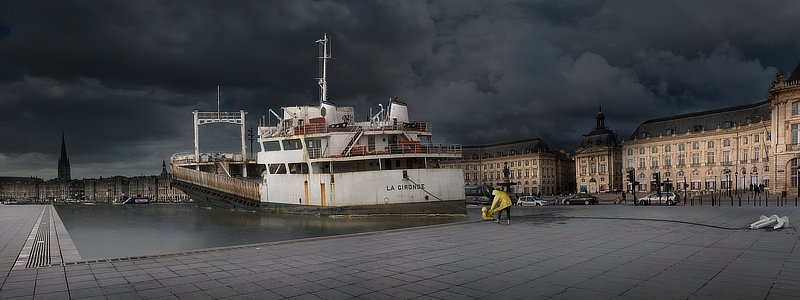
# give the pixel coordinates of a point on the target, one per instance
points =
(318, 160)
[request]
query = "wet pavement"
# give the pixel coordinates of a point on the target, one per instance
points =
(574, 252)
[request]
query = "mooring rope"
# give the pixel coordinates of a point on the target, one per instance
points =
(636, 219)
(437, 198)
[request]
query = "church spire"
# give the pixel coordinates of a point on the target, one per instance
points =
(164, 168)
(63, 162)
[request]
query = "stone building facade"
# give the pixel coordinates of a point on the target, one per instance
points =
(707, 151)
(784, 102)
(19, 187)
(735, 148)
(598, 160)
(533, 167)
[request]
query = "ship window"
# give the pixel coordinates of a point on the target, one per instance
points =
(272, 146)
(293, 144)
(298, 168)
(277, 169)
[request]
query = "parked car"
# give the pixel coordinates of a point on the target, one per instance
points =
(580, 198)
(475, 200)
(531, 201)
(478, 194)
(670, 198)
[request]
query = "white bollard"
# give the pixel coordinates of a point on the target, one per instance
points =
(774, 221)
(760, 220)
(781, 222)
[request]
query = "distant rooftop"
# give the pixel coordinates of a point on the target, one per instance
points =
(531, 145)
(795, 74)
(705, 120)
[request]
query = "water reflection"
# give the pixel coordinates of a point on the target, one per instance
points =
(130, 230)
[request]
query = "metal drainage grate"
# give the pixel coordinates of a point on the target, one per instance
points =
(40, 252)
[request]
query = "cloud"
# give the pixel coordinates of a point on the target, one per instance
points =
(121, 78)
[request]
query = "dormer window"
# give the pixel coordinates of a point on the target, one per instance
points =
(670, 131)
(644, 135)
(727, 124)
(697, 128)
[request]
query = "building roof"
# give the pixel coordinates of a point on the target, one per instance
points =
(532, 145)
(13, 180)
(795, 74)
(704, 120)
(601, 136)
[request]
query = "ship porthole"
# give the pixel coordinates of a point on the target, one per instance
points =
(426, 197)
(386, 200)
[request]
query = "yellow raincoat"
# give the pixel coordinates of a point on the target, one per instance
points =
(501, 201)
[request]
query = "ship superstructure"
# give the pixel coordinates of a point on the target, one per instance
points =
(320, 160)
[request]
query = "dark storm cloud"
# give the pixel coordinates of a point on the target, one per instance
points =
(120, 78)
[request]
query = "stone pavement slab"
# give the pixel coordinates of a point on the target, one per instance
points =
(580, 252)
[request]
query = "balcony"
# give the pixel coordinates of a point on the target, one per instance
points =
(755, 160)
(711, 164)
(653, 167)
(794, 147)
(726, 163)
(695, 165)
(667, 166)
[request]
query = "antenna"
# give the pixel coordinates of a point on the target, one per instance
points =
(324, 56)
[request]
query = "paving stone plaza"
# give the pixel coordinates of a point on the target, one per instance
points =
(576, 252)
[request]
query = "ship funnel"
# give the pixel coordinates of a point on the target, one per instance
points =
(328, 111)
(398, 111)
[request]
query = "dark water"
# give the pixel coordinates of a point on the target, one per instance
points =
(130, 230)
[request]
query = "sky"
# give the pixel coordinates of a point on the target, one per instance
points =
(120, 78)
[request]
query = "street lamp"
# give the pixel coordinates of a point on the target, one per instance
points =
(728, 181)
(736, 179)
(685, 185)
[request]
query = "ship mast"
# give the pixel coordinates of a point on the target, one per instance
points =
(325, 56)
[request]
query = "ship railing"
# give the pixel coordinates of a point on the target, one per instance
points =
(315, 153)
(403, 147)
(238, 187)
(322, 128)
(267, 131)
(223, 116)
(188, 157)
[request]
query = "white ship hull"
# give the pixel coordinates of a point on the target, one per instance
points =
(358, 191)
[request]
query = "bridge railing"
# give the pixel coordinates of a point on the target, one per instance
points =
(242, 188)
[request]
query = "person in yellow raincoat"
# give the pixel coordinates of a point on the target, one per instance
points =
(502, 202)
